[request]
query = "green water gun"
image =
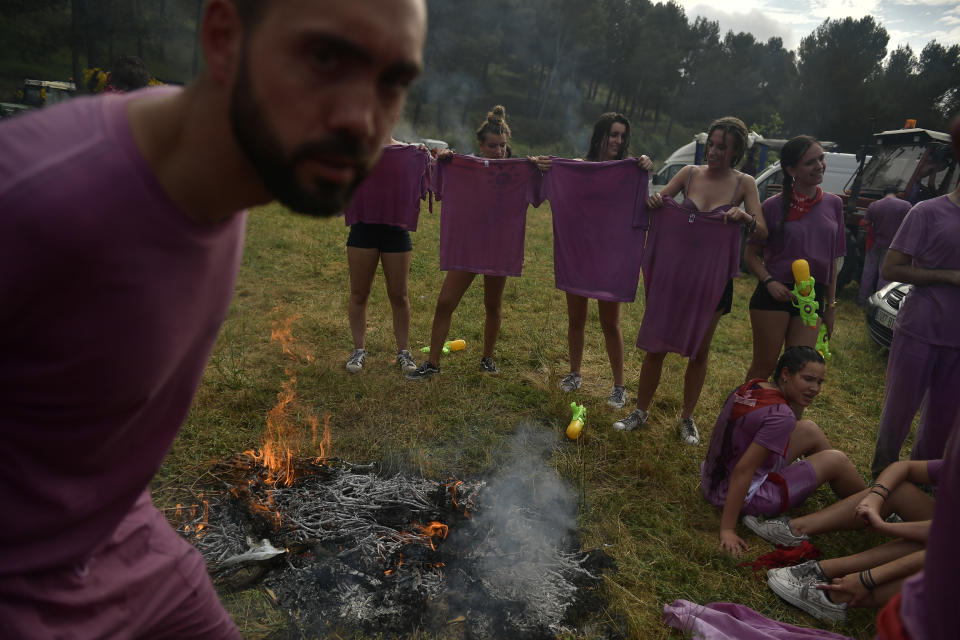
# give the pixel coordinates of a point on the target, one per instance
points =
(803, 290)
(823, 342)
(576, 423)
(448, 346)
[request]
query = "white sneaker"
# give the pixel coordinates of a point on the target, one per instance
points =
(806, 596)
(688, 431)
(405, 361)
(618, 396)
(355, 363)
(571, 382)
(637, 418)
(775, 530)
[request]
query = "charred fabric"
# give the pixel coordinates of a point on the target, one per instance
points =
(346, 547)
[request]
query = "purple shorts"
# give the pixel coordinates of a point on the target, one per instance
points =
(144, 582)
(799, 481)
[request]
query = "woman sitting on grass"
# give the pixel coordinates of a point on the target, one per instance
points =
(758, 433)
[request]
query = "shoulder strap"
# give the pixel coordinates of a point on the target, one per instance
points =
(736, 188)
(686, 189)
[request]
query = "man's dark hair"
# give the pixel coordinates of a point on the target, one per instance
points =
(129, 73)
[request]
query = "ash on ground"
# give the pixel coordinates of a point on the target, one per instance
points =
(346, 547)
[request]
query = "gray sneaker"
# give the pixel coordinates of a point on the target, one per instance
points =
(802, 573)
(688, 431)
(570, 382)
(805, 596)
(355, 363)
(405, 361)
(637, 418)
(618, 397)
(489, 366)
(775, 530)
(424, 371)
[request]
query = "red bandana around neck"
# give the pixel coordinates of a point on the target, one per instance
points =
(800, 205)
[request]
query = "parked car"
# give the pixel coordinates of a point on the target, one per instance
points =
(882, 309)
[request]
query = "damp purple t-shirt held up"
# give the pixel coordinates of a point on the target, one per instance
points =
(688, 259)
(819, 237)
(599, 226)
(391, 194)
(483, 215)
(930, 235)
(112, 299)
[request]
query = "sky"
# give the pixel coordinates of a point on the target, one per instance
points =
(908, 22)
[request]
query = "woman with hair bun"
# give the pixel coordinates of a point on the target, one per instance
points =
(493, 138)
(693, 248)
(803, 222)
(749, 467)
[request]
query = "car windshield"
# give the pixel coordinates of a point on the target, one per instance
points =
(891, 168)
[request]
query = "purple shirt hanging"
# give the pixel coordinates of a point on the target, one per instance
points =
(484, 213)
(688, 259)
(392, 192)
(886, 215)
(599, 225)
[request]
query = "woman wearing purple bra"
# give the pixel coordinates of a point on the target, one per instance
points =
(685, 324)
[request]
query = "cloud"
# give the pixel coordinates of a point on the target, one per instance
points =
(855, 9)
(763, 23)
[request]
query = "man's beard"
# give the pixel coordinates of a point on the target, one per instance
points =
(278, 171)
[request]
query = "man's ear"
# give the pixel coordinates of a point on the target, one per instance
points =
(221, 36)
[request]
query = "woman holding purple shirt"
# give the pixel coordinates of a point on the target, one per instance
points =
(803, 222)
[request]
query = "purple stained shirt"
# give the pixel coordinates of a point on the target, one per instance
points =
(930, 235)
(731, 621)
(770, 427)
(392, 192)
(483, 217)
(110, 302)
(599, 226)
(929, 599)
(688, 259)
(819, 237)
(886, 215)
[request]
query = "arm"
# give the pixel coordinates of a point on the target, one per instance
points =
(543, 162)
(850, 588)
(868, 509)
(673, 187)
(754, 257)
(645, 163)
(830, 313)
(751, 203)
(740, 480)
(897, 268)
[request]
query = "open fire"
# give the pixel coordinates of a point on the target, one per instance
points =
(339, 545)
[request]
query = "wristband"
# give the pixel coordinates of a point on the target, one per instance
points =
(882, 497)
(877, 485)
(768, 280)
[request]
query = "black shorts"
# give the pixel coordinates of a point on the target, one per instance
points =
(385, 237)
(761, 300)
(726, 300)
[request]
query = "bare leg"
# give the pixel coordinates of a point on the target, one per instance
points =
(909, 502)
(396, 269)
(834, 467)
(807, 438)
(650, 372)
(576, 325)
(362, 264)
(769, 332)
(492, 303)
(799, 334)
(454, 286)
(613, 337)
(697, 370)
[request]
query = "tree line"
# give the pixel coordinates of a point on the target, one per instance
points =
(557, 64)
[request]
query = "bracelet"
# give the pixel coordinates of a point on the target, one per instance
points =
(832, 304)
(768, 280)
(877, 485)
(883, 497)
(866, 579)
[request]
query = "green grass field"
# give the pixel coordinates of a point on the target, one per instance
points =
(639, 491)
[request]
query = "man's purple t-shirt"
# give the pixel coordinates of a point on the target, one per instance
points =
(930, 235)
(392, 192)
(483, 216)
(599, 227)
(886, 215)
(928, 600)
(110, 303)
(770, 427)
(688, 259)
(819, 237)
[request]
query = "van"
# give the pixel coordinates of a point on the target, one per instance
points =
(840, 169)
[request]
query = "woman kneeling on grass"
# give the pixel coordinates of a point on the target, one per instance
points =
(758, 433)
